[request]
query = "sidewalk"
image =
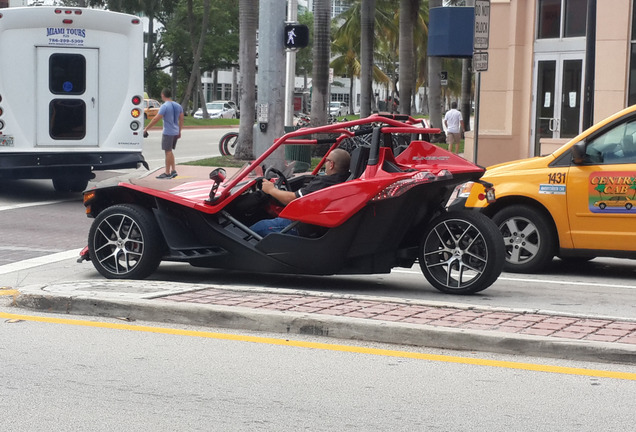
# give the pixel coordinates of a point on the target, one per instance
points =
(451, 325)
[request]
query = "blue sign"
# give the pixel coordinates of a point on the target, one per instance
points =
(450, 32)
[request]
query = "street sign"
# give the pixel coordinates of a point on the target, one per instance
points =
(480, 61)
(443, 76)
(330, 75)
(482, 25)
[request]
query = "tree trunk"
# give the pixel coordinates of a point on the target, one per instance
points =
(434, 83)
(248, 16)
(408, 9)
(367, 35)
(196, 50)
(320, 70)
(466, 85)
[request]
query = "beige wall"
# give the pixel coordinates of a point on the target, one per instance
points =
(612, 57)
(506, 88)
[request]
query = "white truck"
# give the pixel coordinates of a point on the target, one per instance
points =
(71, 94)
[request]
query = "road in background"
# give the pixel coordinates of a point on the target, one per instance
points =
(62, 377)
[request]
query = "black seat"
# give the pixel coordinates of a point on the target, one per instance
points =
(359, 160)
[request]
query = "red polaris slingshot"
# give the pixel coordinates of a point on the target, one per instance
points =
(391, 212)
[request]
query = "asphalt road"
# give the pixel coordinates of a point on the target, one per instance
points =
(42, 232)
(73, 376)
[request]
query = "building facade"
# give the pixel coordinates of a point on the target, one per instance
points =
(532, 96)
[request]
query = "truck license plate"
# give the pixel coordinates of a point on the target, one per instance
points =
(6, 141)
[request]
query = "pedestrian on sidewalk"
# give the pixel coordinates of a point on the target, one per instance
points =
(172, 115)
(454, 127)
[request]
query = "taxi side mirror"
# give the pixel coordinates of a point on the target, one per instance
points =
(578, 153)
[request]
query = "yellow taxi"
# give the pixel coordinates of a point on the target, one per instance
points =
(576, 203)
(151, 108)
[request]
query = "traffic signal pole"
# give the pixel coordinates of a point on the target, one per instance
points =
(292, 15)
(271, 80)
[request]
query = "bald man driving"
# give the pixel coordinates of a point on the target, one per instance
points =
(336, 170)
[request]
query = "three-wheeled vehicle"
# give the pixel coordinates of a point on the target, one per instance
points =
(389, 213)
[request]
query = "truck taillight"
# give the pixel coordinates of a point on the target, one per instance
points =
(136, 100)
(135, 126)
(400, 187)
(136, 112)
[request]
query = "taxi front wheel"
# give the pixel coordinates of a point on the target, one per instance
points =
(528, 238)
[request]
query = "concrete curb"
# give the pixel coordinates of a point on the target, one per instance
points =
(239, 318)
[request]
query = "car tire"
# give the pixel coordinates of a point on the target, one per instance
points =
(462, 252)
(602, 206)
(125, 242)
(529, 239)
(628, 206)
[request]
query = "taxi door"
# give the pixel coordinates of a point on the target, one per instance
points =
(601, 189)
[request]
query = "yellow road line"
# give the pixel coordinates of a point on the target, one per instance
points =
(331, 347)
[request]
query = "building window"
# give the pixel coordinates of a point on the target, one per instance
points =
(554, 24)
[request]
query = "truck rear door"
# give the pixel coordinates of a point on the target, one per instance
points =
(67, 97)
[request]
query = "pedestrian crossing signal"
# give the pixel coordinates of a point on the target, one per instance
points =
(296, 36)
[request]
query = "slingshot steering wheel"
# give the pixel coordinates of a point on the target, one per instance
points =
(281, 182)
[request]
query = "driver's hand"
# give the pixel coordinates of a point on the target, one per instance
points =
(268, 187)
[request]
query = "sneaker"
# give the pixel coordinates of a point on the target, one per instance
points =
(173, 174)
(164, 176)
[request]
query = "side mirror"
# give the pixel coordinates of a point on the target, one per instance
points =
(218, 176)
(578, 153)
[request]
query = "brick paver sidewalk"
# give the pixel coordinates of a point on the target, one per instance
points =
(604, 330)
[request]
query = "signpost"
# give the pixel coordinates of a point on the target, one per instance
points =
(481, 42)
(443, 75)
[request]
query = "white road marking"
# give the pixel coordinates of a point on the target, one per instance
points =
(39, 261)
(34, 204)
(545, 281)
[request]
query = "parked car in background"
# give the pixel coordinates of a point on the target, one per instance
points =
(216, 110)
(338, 109)
(576, 203)
(151, 108)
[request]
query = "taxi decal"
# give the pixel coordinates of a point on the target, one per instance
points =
(552, 189)
(612, 192)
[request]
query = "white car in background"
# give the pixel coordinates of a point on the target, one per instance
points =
(217, 109)
(338, 109)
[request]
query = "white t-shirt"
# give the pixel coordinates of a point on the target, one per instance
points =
(453, 118)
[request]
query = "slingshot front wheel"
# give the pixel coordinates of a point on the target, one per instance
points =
(462, 253)
(125, 242)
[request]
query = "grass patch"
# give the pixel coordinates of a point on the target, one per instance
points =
(191, 121)
(445, 146)
(230, 162)
(218, 161)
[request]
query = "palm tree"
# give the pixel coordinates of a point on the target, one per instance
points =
(408, 15)
(320, 72)
(367, 34)
(346, 63)
(197, 47)
(248, 18)
(434, 83)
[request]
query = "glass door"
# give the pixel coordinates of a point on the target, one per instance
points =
(558, 89)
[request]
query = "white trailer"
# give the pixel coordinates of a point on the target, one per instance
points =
(71, 93)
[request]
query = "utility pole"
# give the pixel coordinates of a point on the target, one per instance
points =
(271, 80)
(292, 15)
